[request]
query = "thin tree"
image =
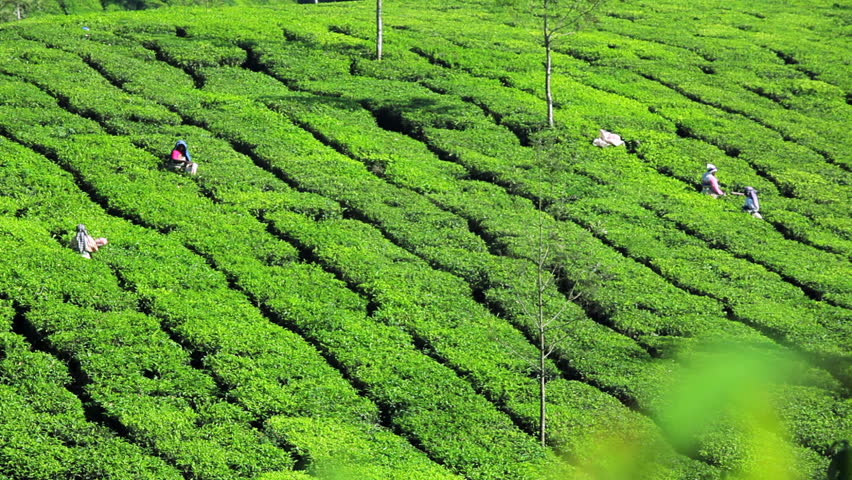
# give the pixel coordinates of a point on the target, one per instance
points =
(559, 18)
(17, 9)
(546, 304)
(379, 29)
(551, 327)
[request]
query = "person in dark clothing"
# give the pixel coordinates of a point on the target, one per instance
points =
(840, 467)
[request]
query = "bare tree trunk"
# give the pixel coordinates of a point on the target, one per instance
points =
(379, 29)
(547, 90)
(548, 64)
(18, 12)
(542, 384)
(542, 331)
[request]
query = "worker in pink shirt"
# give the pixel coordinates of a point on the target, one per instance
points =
(709, 182)
(181, 160)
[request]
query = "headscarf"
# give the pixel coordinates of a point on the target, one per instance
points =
(711, 167)
(751, 193)
(81, 239)
(185, 149)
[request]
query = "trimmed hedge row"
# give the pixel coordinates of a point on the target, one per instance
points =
(222, 183)
(629, 119)
(838, 291)
(433, 116)
(134, 372)
(237, 360)
(350, 128)
(494, 433)
(44, 432)
(241, 349)
(291, 169)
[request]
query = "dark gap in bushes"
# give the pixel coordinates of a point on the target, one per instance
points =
(180, 31)
(731, 151)
(252, 61)
(161, 56)
(372, 307)
(476, 228)
(92, 411)
(248, 150)
(786, 57)
(587, 57)
(708, 69)
(306, 38)
(344, 30)
(809, 73)
(431, 58)
(253, 64)
(115, 82)
(622, 16)
(388, 119)
(291, 36)
(683, 131)
(767, 95)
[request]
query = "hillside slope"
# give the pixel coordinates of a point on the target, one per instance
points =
(340, 290)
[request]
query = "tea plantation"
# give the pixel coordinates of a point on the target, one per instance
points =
(341, 292)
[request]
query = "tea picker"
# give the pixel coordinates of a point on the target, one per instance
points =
(84, 244)
(181, 160)
(709, 182)
(752, 205)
